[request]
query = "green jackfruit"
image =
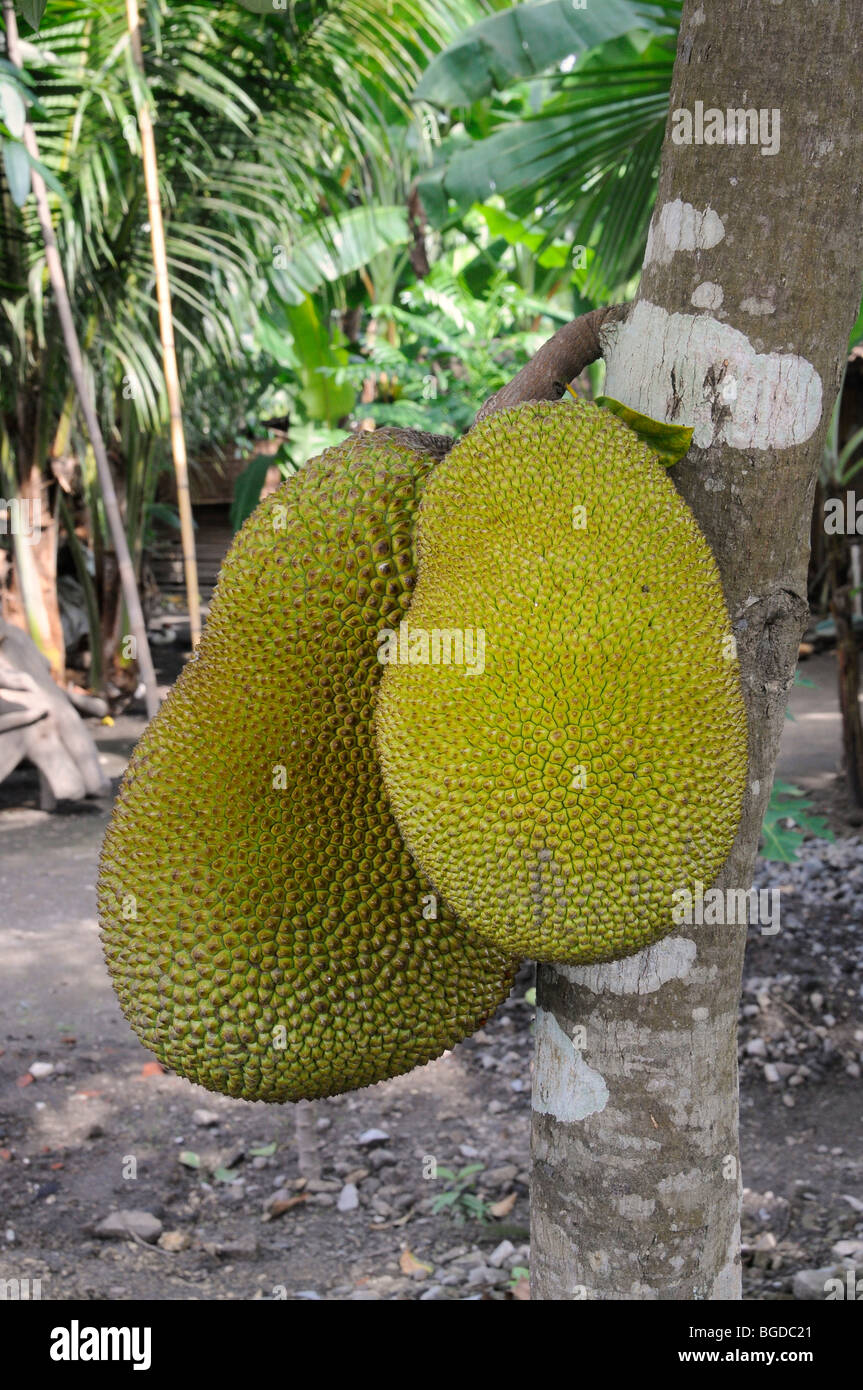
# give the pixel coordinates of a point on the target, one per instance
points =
(264, 926)
(587, 757)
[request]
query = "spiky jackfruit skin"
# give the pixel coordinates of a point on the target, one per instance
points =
(252, 877)
(559, 799)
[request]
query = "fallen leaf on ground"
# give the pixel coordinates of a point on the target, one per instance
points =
(504, 1206)
(152, 1069)
(521, 1290)
(414, 1268)
(25, 1080)
(276, 1208)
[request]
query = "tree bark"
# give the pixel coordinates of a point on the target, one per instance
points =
(76, 367)
(166, 332)
(750, 286)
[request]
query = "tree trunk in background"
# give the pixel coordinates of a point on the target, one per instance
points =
(751, 284)
(38, 609)
(78, 373)
(166, 331)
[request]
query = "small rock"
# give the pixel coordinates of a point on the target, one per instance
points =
(848, 1250)
(310, 1295)
(481, 1276)
(808, 1284)
(349, 1197)
(243, 1248)
(499, 1177)
(435, 1293)
(356, 1175)
(501, 1254)
(757, 1047)
(120, 1225)
(40, 1069)
(381, 1158)
(770, 1072)
(321, 1185)
(372, 1139)
(233, 1156)
(205, 1118)
(174, 1241)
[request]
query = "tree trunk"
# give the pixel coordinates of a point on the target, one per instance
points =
(751, 284)
(166, 331)
(77, 371)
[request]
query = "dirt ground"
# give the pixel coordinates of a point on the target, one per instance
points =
(90, 1124)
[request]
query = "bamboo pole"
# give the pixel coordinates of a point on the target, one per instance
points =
(166, 330)
(88, 409)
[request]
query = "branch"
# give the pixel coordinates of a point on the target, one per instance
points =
(559, 361)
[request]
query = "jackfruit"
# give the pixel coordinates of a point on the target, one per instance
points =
(265, 928)
(586, 760)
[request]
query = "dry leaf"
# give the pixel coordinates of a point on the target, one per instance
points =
(151, 1069)
(412, 1267)
(25, 1080)
(276, 1208)
(504, 1206)
(521, 1290)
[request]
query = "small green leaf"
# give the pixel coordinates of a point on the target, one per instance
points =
(32, 11)
(13, 109)
(189, 1159)
(17, 167)
(265, 1151)
(669, 442)
(445, 1199)
(225, 1175)
(530, 996)
(786, 789)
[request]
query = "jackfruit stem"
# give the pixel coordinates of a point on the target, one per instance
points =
(559, 361)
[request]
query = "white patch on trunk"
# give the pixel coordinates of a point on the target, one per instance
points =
(678, 1185)
(722, 386)
(564, 1085)
(726, 1284)
(757, 306)
(707, 295)
(634, 1208)
(681, 227)
(644, 973)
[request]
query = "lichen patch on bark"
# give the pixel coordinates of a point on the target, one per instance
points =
(694, 370)
(569, 1090)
